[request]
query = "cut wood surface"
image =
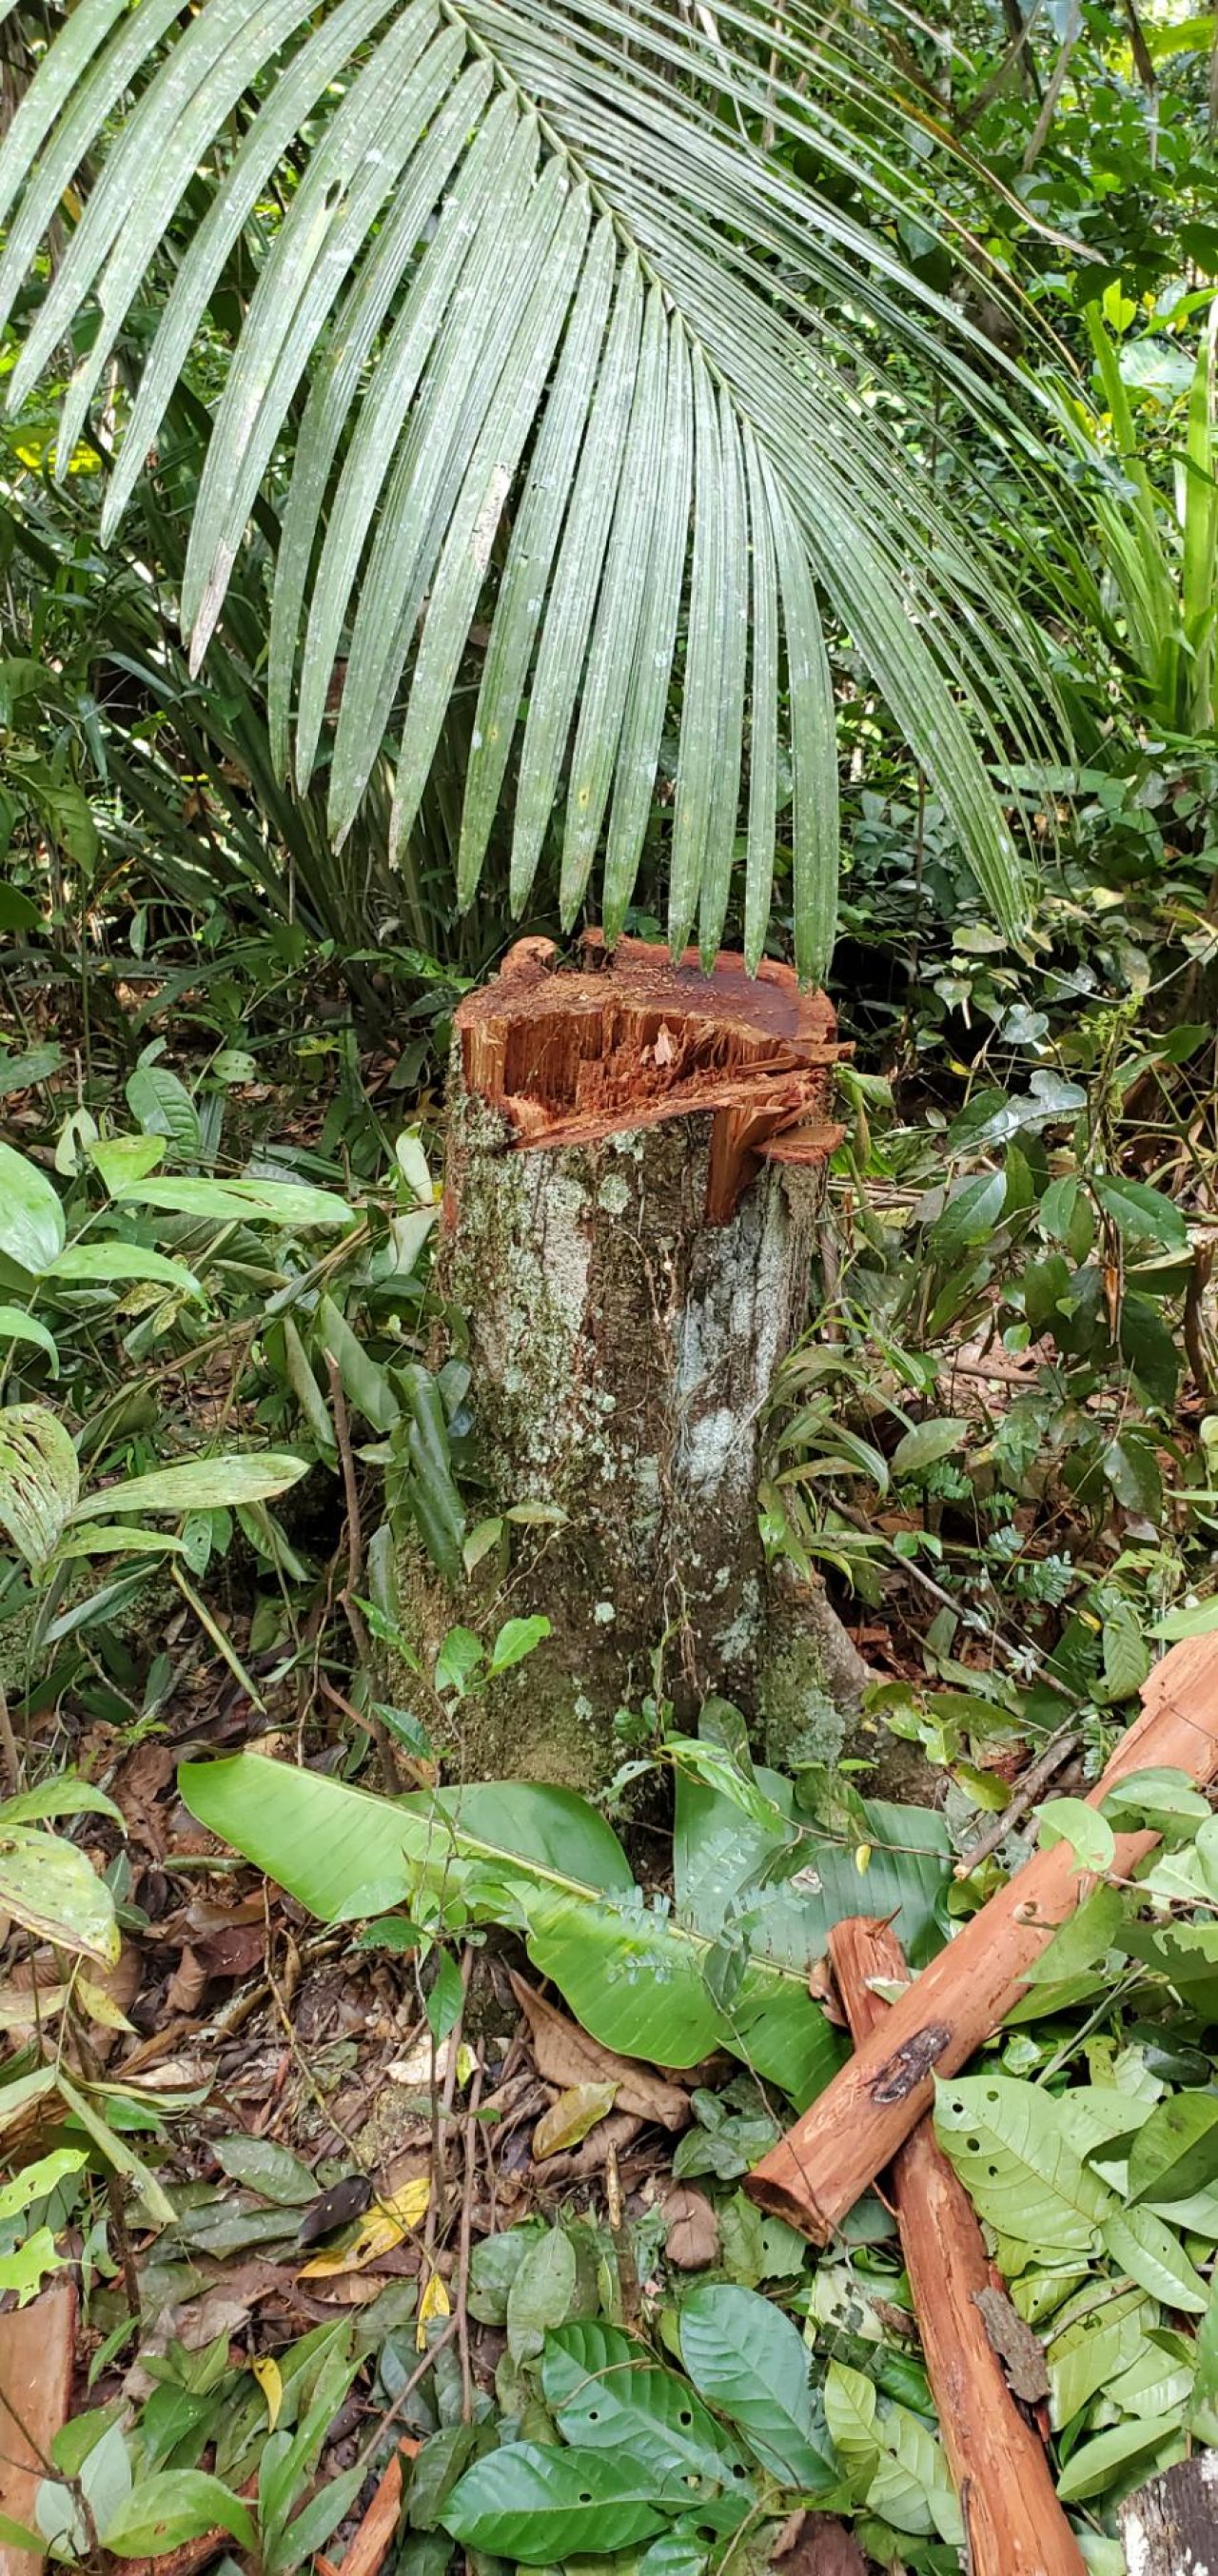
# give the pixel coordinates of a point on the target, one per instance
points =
(853, 2129)
(1011, 2514)
(572, 1054)
(37, 2345)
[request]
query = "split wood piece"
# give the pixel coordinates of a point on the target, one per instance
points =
(1013, 2521)
(853, 2129)
(571, 1055)
(37, 2348)
(374, 2538)
(1171, 2524)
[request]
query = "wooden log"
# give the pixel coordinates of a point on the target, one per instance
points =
(37, 2352)
(1013, 2521)
(1170, 2527)
(853, 2129)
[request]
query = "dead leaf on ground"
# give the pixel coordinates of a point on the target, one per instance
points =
(814, 2544)
(387, 2222)
(566, 2056)
(692, 2230)
(617, 2132)
(568, 2120)
(822, 1986)
(1019, 2350)
(335, 2207)
(137, 1787)
(188, 1984)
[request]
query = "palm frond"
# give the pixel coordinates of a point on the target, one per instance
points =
(543, 334)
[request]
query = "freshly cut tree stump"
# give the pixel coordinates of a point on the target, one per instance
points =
(633, 1258)
(853, 2129)
(1013, 2521)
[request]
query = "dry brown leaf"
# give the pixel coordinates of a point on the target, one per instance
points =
(566, 2056)
(617, 2132)
(692, 2229)
(817, 2546)
(188, 1984)
(822, 1986)
(387, 2222)
(569, 2119)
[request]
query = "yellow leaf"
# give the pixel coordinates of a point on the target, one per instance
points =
(570, 2118)
(434, 2303)
(270, 2380)
(862, 1857)
(100, 2006)
(387, 2222)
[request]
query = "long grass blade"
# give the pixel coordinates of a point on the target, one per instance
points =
(62, 68)
(813, 747)
(703, 667)
(619, 613)
(385, 406)
(763, 714)
(729, 732)
(337, 380)
(349, 178)
(560, 658)
(643, 725)
(466, 552)
(534, 544)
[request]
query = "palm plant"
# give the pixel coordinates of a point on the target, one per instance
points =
(548, 312)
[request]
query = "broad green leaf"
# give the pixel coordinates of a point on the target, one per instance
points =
(257, 1202)
(515, 1640)
(540, 1858)
(39, 1479)
(1010, 2147)
(16, 1326)
(1145, 2247)
(1176, 2152)
(1127, 1657)
(608, 2393)
(1090, 1836)
(543, 2505)
(729, 1868)
(50, 1887)
(1096, 2465)
(1095, 2338)
(970, 1216)
(32, 1229)
(265, 2167)
(199, 1485)
(124, 1159)
(1205, 2386)
(98, 1264)
(750, 2363)
(163, 1107)
(1140, 1214)
(66, 1795)
(541, 2294)
(173, 2506)
(926, 1444)
(891, 2456)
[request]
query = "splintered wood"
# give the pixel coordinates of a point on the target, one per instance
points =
(572, 1055)
(853, 2129)
(1013, 2521)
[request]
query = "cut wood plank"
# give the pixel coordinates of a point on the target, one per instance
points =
(1014, 2523)
(853, 2129)
(37, 2347)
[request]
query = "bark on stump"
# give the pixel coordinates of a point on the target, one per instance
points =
(635, 1164)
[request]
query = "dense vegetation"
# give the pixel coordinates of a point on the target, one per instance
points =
(910, 378)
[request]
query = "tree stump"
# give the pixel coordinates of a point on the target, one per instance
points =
(635, 1165)
(1170, 2527)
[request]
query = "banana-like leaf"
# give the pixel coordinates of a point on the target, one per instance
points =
(542, 1861)
(541, 271)
(727, 1871)
(39, 1479)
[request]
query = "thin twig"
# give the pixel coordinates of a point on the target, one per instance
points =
(1025, 1794)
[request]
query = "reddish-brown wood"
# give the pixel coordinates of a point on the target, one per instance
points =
(370, 2547)
(1014, 2523)
(853, 2129)
(37, 2346)
(573, 1054)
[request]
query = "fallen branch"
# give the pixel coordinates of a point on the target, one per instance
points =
(1013, 2521)
(854, 2128)
(372, 2542)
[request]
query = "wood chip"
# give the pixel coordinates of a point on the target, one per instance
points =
(37, 2344)
(1019, 2350)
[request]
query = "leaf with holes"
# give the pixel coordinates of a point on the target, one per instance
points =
(39, 1479)
(606, 2392)
(1011, 2149)
(540, 2504)
(50, 1887)
(748, 2360)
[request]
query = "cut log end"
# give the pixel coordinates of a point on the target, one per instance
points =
(570, 1054)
